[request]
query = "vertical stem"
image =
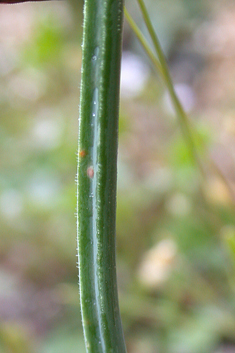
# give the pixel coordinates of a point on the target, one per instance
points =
(162, 68)
(182, 116)
(143, 42)
(97, 173)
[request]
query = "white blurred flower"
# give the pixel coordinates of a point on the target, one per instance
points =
(134, 75)
(157, 264)
(7, 62)
(11, 204)
(8, 284)
(159, 179)
(15, 23)
(47, 132)
(179, 205)
(43, 190)
(28, 84)
(186, 96)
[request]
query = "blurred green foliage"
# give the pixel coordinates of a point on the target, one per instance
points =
(176, 277)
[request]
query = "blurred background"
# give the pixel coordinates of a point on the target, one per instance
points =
(175, 270)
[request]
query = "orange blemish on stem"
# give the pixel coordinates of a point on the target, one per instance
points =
(82, 153)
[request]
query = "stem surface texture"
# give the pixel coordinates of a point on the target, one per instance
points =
(97, 174)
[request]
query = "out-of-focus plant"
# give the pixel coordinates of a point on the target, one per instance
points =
(160, 64)
(174, 291)
(228, 234)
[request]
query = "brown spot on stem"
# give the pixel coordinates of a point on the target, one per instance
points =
(90, 172)
(82, 153)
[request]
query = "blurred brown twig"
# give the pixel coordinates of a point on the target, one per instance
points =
(18, 1)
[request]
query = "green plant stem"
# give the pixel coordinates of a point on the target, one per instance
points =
(143, 42)
(162, 68)
(164, 71)
(183, 118)
(97, 174)
(165, 74)
(181, 115)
